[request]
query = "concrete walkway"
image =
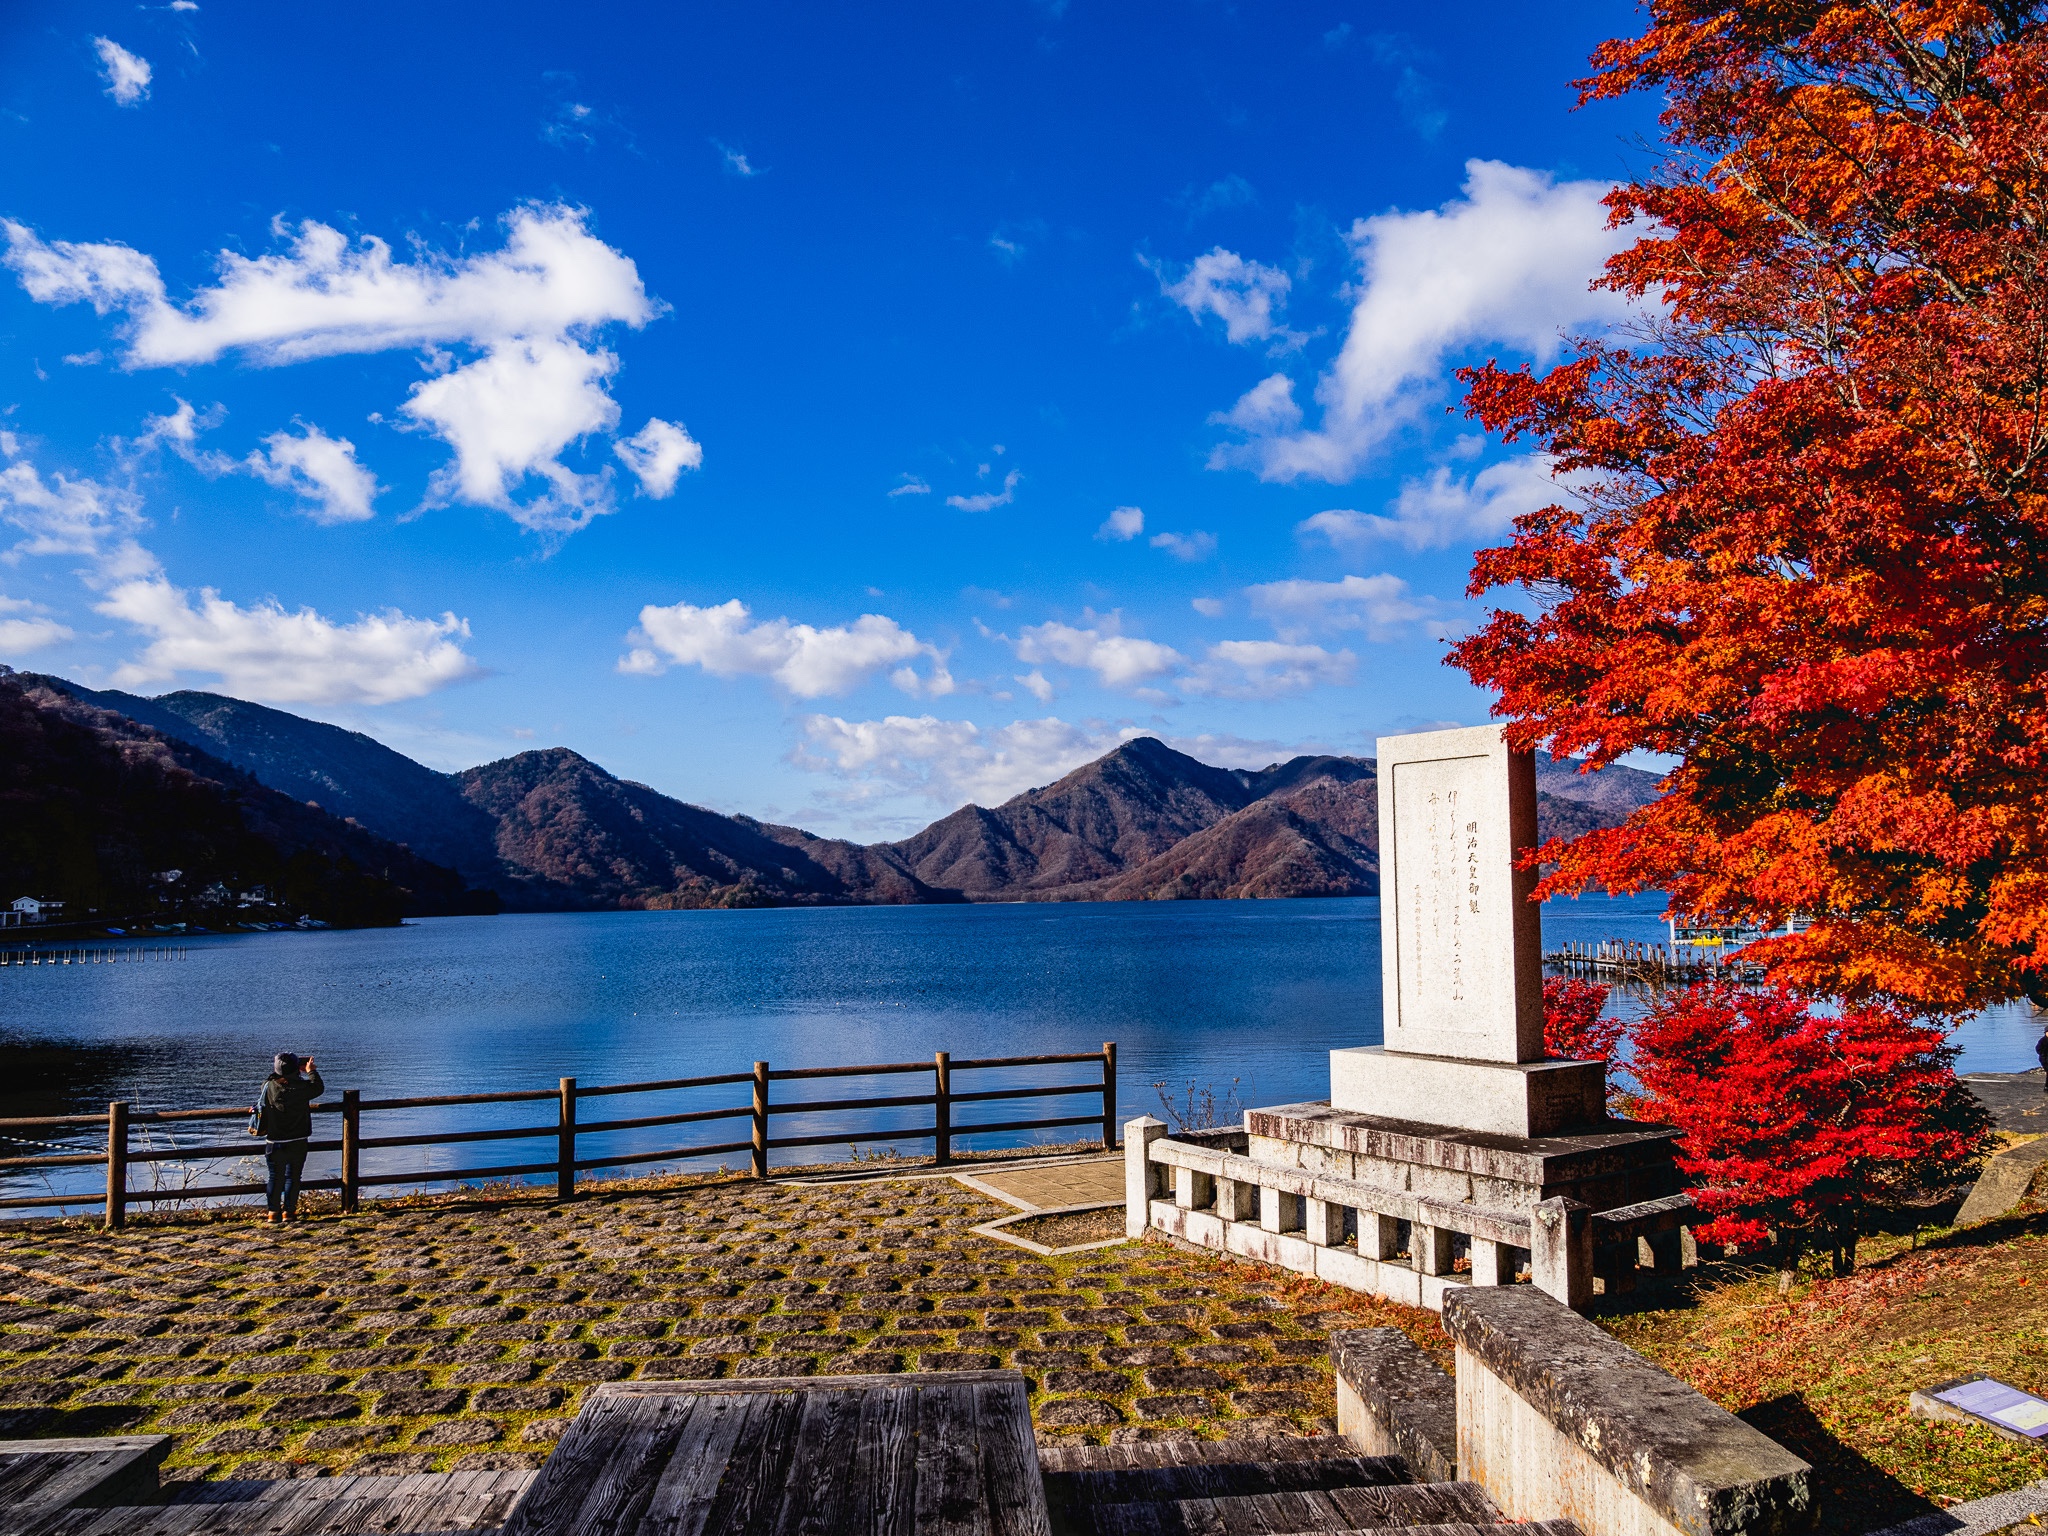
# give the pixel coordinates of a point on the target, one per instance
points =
(1094, 1181)
(1979, 1517)
(2015, 1099)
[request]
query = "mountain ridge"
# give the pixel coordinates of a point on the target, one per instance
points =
(548, 829)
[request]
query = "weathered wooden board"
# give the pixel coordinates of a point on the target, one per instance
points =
(40, 1477)
(946, 1453)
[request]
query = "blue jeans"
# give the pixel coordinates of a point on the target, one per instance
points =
(287, 1160)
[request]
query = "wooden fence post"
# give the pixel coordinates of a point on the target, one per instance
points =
(565, 1143)
(942, 1109)
(117, 1166)
(1109, 1095)
(351, 1150)
(760, 1119)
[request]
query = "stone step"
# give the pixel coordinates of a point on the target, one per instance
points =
(1188, 1453)
(1218, 1479)
(1374, 1508)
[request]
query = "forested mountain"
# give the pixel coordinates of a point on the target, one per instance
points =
(551, 830)
(118, 820)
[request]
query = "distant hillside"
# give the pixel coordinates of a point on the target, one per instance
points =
(615, 843)
(551, 830)
(97, 809)
(343, 772)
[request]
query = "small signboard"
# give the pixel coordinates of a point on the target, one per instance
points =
(2016, 1414)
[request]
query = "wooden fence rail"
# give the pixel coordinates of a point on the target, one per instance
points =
(566, 1131)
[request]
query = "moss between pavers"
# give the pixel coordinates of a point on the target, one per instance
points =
(442, 1334)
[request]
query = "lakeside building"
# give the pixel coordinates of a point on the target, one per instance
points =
(30, 909)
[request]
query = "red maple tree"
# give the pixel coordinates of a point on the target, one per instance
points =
(1574, 1028)
(1801, 1126)
(1808, 553)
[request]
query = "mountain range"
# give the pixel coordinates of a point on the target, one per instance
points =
(551, 830)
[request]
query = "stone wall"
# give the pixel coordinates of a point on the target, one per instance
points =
(1557, 1420)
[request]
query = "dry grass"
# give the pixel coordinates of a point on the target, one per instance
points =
(1827, 1370)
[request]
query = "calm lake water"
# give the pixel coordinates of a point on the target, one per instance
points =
(1214, 994)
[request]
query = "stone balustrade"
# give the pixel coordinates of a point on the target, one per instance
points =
(1201, 1188)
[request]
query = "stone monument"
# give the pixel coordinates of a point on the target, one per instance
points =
(1461, 950)
(1459, 1102)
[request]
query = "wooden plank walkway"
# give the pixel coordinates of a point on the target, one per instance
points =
(933, 1454)
(457, 1503)
(38, 1478)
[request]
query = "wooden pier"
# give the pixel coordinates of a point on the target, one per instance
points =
(123, 954)
(1629, 960)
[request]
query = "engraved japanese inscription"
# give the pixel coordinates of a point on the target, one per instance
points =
(1448, 891)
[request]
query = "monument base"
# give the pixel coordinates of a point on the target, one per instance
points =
(1614, 1163)
(1533, 1098)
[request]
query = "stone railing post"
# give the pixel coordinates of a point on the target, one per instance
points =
(1322, 1223)
(1561, 1250)
(1429, 1249)
(1236, 1200)
(1143, 1180)
(1490, 1263)
(1279, 1211)
(1379, 1237)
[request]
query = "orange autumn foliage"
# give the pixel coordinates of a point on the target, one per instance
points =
(1809, 550)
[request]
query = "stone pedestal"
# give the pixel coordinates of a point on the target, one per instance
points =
(1614, 1163)
(1527, 1098)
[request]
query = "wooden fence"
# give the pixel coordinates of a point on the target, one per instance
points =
(122, 1119)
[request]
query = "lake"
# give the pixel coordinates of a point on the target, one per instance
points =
(1243, 995)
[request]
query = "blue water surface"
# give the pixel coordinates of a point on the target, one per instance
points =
(1217, 998)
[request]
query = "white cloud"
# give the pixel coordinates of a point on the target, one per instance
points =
(1034, 683)
(179, 431)
(1118, 661)
(953, 761)
(1186, 546)
(529, 312)
(802, 659)
(268, 653)
(126, 74)
(1123, 524)
(1207, 607)
(321, 469)
(1445, 508)
(1380, 605)
(75, 517)
(659, 453)
(509, 415)
(1266, 408)
(735, 163)
(23, 627)
(1246, 296)
(1267, 669)
(1508, 263)
(913, 485)
(988, 501)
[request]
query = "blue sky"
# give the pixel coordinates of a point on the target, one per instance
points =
(831, 413)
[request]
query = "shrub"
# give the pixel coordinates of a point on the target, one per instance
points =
(1800, 1127)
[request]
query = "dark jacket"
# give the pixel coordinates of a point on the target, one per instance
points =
(2041, 1050)
(284, 1112)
